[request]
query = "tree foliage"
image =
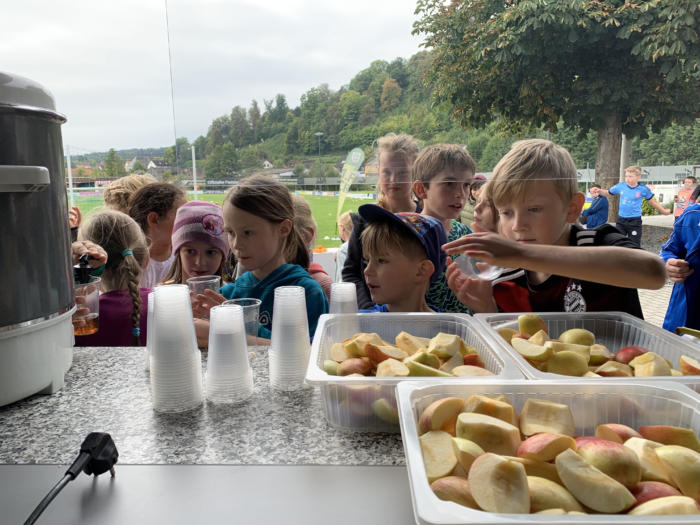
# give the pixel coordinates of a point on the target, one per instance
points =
(114, 165)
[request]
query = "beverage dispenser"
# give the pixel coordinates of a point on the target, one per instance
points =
(36, 281)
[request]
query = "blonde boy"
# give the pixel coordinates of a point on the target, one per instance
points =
(632, 194)
(442, 174)
(403, 257)
(534, 189)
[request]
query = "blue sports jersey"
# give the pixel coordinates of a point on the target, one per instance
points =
(631, 198)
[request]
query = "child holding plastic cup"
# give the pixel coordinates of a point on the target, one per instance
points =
(270, 247)
(122, 305)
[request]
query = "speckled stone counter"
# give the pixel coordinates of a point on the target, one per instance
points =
(107, 389)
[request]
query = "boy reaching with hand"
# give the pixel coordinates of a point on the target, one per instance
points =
(568, 269)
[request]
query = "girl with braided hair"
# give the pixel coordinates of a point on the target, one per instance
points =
(123, 305)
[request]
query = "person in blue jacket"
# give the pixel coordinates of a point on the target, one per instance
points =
(597, 212)
(682, 256)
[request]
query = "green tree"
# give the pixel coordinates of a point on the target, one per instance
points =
(255, 119)
(241, 134)
(222, 162)
(114, 165)
(391, 94)
(138, 166)
(200, 147)
(604, 65)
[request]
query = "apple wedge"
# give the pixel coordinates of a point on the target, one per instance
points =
(444, 345)
(577, 336)
(613, 459)
(540, 469)
(614, 369)
(540, 415)
(545, 446)
(466, 451)
(419, 369)
(648, 490)
(410, 343)
(439, 458)
(440, 414)
(545, 494)
(599, 355)
(689, 366)
(665, 506)
(499, 485)
(670, 435)
(539, 338)
(616, 432)
(490, 433)
(530, 350)
(568, 362)
(491, 407)
(530, 324)
(392, 368)
(470, 371)
(456, 489)
(683, 465)
(377, 354)
(590, 486)
(652, 467)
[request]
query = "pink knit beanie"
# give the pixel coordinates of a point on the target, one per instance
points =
(200, 221)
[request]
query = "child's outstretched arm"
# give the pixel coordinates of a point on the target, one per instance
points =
(613, 265)
(657, 205)
(477, 294)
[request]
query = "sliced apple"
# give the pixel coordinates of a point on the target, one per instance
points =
(392, 368)
(466, 451)
(386, 410)
(355, 346)
(613, 459)
(590, 486)
(652, 467)
(439, 458)
(540, 415)
(499, 485)
(339, 352)
(539, 338)
(456, 489)
(648, 490)
(530, 324)
(683, 465)
(330, 367)
(558, 346)
(545, 446)
(507, 334)
(419, 369)
(411, 343)
(577, 336)
(530, 350)
(616, 432)
(665, 506)
(440, 414)
(481, 404)
(473, 359)
(424, 358)
(650, 364)
(689, 366)
(545, 494)
(444, 345)
(537, 468)
(377, 354)
(614, 369)
(670, 435)
(599, 354)
(453, 362)
(490, 433)
(567, 362)
(626, 354)
(469, 371)
(354, 365)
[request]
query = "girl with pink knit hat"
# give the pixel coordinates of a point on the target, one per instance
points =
(199, 242)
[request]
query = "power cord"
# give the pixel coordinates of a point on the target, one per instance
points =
(98, 454)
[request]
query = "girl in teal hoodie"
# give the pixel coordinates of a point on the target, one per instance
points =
(259, 222)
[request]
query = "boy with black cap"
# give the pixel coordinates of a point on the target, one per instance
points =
(404, 257)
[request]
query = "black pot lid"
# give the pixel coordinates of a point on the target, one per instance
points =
(22, 92)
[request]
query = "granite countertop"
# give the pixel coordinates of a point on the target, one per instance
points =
(107, 389)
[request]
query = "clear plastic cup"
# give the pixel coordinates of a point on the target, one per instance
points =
(477, 269)
(204, 282)
(251, 315)
(343, 298)
(86, 319)
(289, 346)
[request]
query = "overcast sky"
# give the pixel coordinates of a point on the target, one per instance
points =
(106, 63)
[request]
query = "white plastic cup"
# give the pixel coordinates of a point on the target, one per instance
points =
(289, 346)
(251, 314)
(477, 269)
(150, 329)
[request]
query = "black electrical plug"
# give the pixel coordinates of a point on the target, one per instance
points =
(98, 454)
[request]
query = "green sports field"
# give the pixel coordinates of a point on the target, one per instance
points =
(324, 210)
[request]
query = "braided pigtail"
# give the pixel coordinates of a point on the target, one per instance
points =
(132, 270)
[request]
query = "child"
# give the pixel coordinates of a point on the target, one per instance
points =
(442, 174)
(394, 193)
(682, 199)
(199, 242)
(154, 207)
(123, 305)
(306, 223)
(117, 195)
(682, 256)
(466, 216)
(403, 258)
(344, 231)
(534, 188)
(597, 212)
(269, 246)
(629, 220)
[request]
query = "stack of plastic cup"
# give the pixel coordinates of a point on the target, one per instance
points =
(150, 329)
(229, 376)
(343, 298)
(176, 363)
(477, 269)
(289, 345)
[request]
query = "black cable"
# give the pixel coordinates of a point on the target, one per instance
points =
(98, 454)
(48, 499)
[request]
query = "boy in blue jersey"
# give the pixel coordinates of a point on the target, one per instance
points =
(403, 256)
(629, 220)
(597, 212)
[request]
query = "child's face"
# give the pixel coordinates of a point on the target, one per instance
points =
(394, 177)
(632, 179)
(540, 217)
(256, 242)
(199, 258)
(388, 276)
(688, 183)
(162, 231)
(445, 195)
(484, 218)
(594, 192)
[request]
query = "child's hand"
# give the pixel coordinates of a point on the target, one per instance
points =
(488, 247)
(202, 303)
(201, 330)
(477, 294)
(678, 270)
(74, 217)
(95, 251)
